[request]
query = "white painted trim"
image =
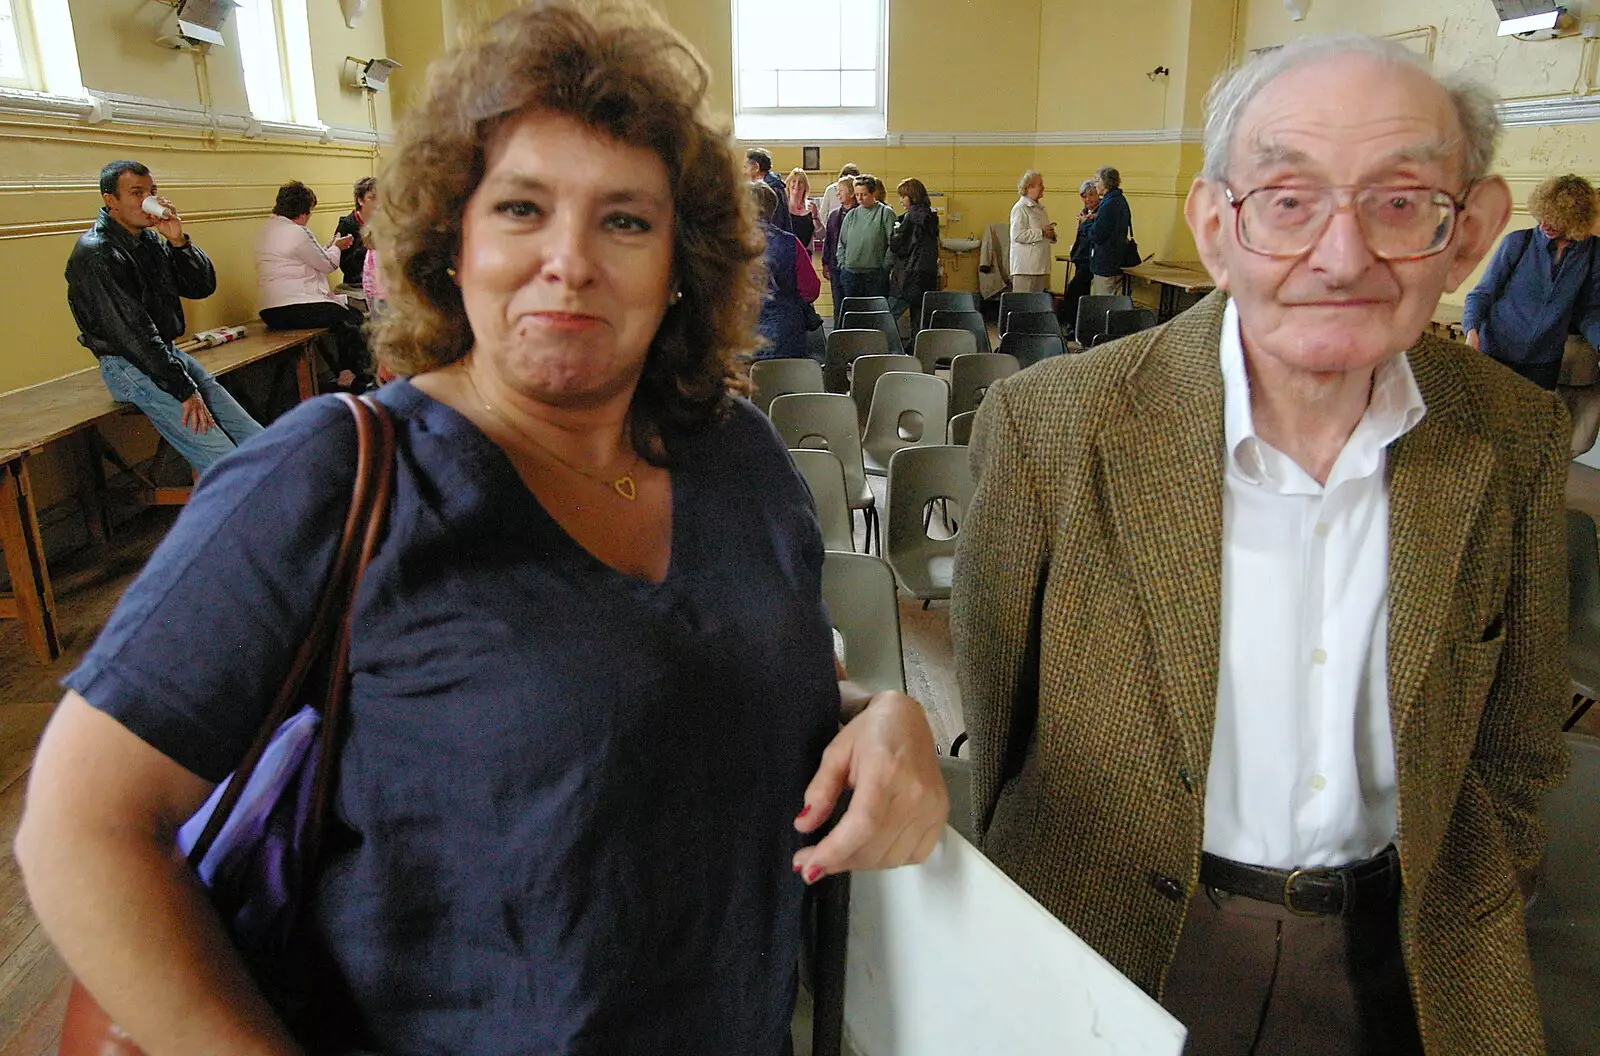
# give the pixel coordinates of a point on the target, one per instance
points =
(115, 108)
(1569, 110)
(1015, 139)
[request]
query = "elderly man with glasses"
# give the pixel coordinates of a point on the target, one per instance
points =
(1260, 615)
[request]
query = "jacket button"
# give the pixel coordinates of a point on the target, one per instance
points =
(1183, 775)
(1167, 887)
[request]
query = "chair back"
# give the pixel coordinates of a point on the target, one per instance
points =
(947, 300)
(961, 428)
(972, 322)
(859, 591)
(1120, 322)
(1583, 604)
(880, 321)
(908, 410)
(1036, 301)
(918, 476)
(971, 376)
(1031, 348)
(826, 421)
(1564, 920)
(1092, 309)
(864, 304)
(1032, 323)
(771, 378)
(845, 346)
(936, 347)
(824, 475)
(864, 379)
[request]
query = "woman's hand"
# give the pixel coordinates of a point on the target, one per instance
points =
(1472, 339)
(899, 806)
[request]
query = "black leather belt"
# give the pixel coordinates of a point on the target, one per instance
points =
(1369, 886)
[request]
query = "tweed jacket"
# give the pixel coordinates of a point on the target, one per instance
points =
(1087, 619)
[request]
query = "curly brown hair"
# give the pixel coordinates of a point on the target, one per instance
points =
(616, 66)
(1566, 203)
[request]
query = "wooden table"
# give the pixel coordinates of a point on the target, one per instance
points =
(34, 417)
(1174, 277)
(1447, 317)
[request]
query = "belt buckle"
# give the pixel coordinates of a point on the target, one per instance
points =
(1288, 893)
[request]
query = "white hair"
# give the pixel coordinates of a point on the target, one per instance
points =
(1087, 185)
(1027, 178)
(1233, 92)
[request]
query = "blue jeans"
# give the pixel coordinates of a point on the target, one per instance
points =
(131, 385)
(873, 283)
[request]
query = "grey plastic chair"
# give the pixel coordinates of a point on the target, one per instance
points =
(917, 477)
(940, 347)
(972, 322)
(971, 376)
(908, 410)
(771, 378)
(1120, 322)
(947, 301)
(844, 347)
(824, 475)
(1031, 348)
(881, 321)
(961, 428)
(1564, 920)
(827, 421)
(1032, 323)
(860, 594)
(864, 379)
(1037, 301)
(864, 304)
(1583, 600)
(1092, 309)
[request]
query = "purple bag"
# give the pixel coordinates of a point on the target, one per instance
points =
(256, 841)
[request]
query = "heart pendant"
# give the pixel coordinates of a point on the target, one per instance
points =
(625, 487)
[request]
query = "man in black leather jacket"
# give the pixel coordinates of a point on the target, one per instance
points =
(124, 281)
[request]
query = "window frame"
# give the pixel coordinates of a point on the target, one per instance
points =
(27, 47)
(290, 60)
(812, 122)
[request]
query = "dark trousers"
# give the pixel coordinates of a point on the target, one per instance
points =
(1077, 288)
(351, 344)
(1253, 979)
(864, 283)
(1544, 375)
(912, 287)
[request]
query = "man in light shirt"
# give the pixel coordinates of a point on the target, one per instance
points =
(1260, 615)
(292, 270)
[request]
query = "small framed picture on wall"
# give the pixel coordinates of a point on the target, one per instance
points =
(811, 158)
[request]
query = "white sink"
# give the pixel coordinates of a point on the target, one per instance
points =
(959, 245)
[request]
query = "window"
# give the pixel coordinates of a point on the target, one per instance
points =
(275, 49)
(828, 83)
(37, 48)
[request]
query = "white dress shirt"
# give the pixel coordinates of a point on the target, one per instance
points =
(292, 267)
(1302, 759)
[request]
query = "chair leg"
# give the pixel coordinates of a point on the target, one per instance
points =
(1581, 705)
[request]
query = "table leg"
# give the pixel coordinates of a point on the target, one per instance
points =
(306, 370)
(30, 578)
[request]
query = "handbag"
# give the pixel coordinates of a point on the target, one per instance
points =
(1130, 251)
(255, 842)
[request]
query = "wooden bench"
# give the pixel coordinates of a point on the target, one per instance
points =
(73, 405)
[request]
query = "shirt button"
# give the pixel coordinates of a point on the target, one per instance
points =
(1317, 782)
(1322, 531)
(1318, 656)
(1167, 887)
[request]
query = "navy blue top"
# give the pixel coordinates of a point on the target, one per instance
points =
(783, 312)
(1113, 226)
(1527, 302)
(570, 792)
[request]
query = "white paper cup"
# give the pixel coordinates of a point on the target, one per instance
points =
(154, 208)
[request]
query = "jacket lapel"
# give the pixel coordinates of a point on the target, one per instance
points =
(1438, 473)
(1163, 471)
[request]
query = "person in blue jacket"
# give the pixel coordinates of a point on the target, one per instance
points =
(1113, 226)
(1541, 285)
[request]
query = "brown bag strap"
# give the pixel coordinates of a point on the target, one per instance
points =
(329, 633)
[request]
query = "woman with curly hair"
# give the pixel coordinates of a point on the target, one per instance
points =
(1541, 285)
(592, 680)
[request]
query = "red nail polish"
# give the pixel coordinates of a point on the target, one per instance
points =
(798, 868)
(813, 874)
(803, 812)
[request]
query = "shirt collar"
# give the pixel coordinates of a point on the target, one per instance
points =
(1394, 409)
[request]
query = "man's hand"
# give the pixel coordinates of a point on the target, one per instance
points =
(197, 416)
(171, 228)
(826, 274)
(343, 242)
(899, 807)
(1472, 339)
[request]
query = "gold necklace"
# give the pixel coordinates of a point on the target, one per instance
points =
(624, 485)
